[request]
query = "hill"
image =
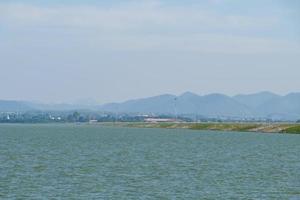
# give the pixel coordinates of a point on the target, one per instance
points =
(258, 105)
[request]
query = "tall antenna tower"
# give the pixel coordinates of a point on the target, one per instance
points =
(175, 108)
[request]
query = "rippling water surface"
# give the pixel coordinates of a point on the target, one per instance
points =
(94, 162)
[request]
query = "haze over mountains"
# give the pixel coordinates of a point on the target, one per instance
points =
(258, 105)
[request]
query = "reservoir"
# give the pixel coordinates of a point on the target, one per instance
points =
(68, 161)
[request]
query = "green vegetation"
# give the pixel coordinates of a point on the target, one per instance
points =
(65, 117)
(125, 120)
(293, 129)
(223, 126)
(200, 126)
(241, 127)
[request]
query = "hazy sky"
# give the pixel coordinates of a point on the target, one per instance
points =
(67, 50)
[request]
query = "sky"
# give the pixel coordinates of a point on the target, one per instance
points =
(111, 51)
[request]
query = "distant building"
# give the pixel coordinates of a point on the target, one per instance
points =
(143, 115)
(155, 120)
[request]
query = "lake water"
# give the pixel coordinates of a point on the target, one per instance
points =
(94, 162)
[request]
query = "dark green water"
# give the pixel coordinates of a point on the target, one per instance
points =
(94, 162)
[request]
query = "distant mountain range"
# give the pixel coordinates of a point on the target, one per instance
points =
(258, 105)
(11, 106)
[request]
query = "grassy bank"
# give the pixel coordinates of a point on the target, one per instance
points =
(242, 127)
(293, 129)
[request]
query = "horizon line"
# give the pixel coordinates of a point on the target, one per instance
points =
(95, 102)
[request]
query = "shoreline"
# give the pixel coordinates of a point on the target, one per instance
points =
(285, 128)
(255, 127)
